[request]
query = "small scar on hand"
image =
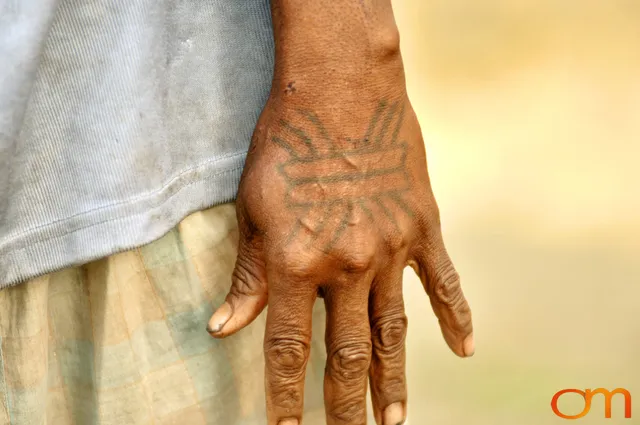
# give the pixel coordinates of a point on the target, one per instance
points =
(291, 88)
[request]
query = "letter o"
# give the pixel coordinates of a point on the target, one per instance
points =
(556, 397)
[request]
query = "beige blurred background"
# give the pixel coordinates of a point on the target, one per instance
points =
(531, 115)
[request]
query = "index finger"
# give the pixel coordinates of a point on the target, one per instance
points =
(286, 348)
(348, 341)
(442, 283)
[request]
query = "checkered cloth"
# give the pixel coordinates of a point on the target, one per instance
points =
(122, 340)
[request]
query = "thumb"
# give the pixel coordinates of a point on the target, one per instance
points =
(248, 294)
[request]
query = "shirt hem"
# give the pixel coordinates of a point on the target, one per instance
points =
(120, 227)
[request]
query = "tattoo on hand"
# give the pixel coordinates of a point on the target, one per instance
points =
(331, 176)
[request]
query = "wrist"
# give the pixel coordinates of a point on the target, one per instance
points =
(335, 46)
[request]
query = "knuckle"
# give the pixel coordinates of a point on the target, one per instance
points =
(287, 397)
(447, 287)
(350, 409)
(389, 334)
(388, 382)
(351, 361)
(286, 359)
(461, 321)
(395, 241)
(297, 262)
(357, 262)
(359, 257)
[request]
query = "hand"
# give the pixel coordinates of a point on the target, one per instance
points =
(335, 201)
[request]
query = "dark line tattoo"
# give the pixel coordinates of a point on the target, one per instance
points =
(301, 135)
(368, 170)
(387, 212)
(284, 145)
(366, 209)
(397, 198)
(386, 123)
(358, 151)
(374, 121)
(341, 228)
(382, 207)
(296, 227)
(345, 178)
(396, 132)
(314, 119)
(323, 223)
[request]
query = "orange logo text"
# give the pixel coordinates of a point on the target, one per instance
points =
(588, 396)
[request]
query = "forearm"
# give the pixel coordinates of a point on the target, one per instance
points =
(326, 48)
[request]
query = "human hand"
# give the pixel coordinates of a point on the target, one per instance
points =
(335, 200)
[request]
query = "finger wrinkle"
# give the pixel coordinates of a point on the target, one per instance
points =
(451, 296)
(349, 409)
(286, 395)
(351, 362)
(389, 335)
(286, 358)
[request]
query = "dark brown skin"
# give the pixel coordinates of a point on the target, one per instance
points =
(335, 201)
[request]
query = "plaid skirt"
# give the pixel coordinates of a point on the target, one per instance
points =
(123, 340)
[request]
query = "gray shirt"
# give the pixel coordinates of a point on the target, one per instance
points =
(118, 118)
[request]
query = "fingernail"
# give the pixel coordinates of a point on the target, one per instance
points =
(219, 318)
(394, 414)
(288, 422)
(469, 345)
